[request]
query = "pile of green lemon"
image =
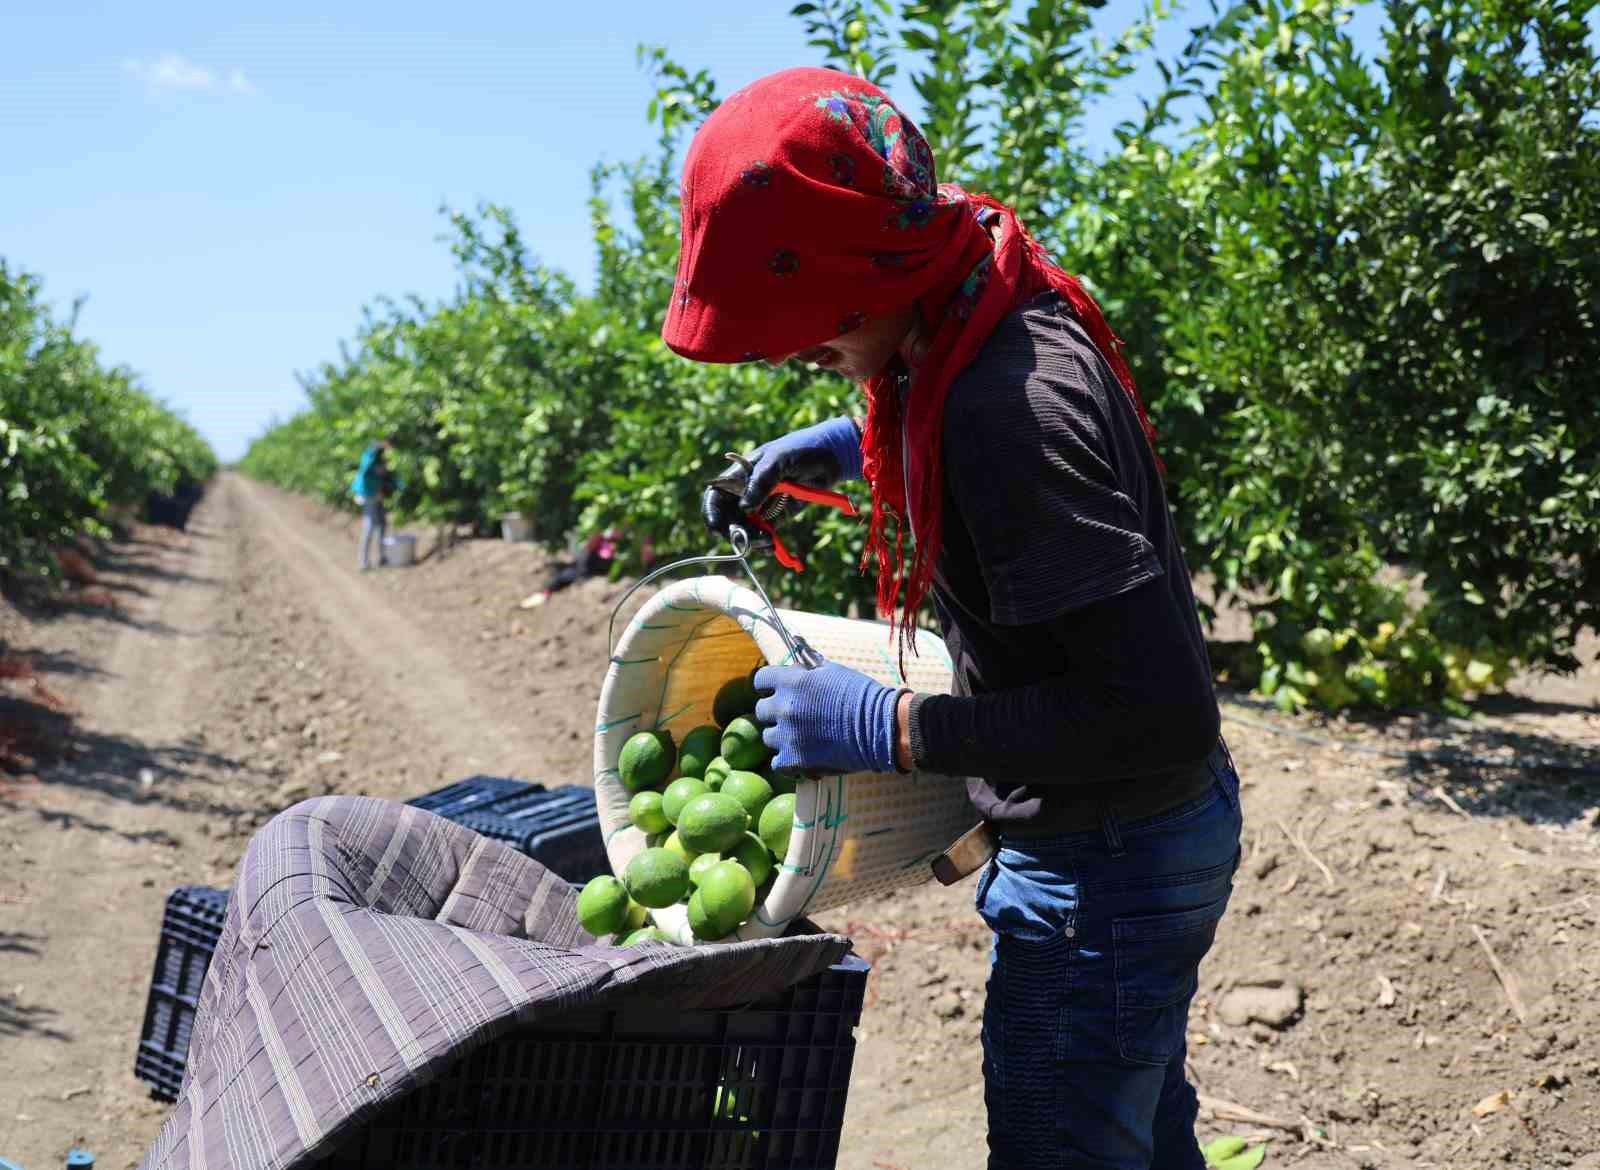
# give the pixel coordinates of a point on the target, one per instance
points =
(716, 818)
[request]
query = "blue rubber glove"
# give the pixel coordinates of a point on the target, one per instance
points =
(818, 456)
(830, 718)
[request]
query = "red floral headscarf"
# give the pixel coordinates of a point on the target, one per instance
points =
(810, 206)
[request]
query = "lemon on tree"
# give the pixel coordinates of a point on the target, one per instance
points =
(679, 793)
(777, 820)
(647, 760)
(742, 745)
(644, 810)
(699, 748)
(712, 823)
(656, 878)
(603, 906)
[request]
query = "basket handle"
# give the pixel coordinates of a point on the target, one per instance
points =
(799, 651)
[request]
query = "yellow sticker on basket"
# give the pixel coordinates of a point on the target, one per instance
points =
(844, 868)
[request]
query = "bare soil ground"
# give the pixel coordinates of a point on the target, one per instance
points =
(1351, 1006)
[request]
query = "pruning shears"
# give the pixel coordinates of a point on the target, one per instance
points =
(763, 518)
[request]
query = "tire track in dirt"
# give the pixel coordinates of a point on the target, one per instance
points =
(409, 671)
(75, 931)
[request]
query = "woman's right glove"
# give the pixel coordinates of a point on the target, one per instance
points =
(818, 456)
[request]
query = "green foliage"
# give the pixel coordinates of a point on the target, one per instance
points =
(1359, 296)
(76, 438)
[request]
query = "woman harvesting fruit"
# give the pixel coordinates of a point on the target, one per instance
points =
(1015, 485)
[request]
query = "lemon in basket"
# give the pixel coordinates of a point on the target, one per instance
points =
(751, 790)
(698, 867)
(700, 747)
(679, 793)
(647, 760)
(742, 745)
(603, 906)
(777, 820)
(736, 697)
(727, 894)
(712, 823)
(656, 878)
(644, 810)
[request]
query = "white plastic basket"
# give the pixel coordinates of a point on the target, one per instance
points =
(854, 835)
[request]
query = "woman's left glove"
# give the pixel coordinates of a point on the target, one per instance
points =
(829, 718)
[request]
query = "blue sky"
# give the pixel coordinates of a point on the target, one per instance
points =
(228, 190)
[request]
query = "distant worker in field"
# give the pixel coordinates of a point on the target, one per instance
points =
(374, 483)
(1004, 436)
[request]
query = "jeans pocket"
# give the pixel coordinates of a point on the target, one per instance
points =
(1157, 963)
(1027, 898)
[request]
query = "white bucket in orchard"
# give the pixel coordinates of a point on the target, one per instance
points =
(516, 527)
(400, 549)
(854, 836)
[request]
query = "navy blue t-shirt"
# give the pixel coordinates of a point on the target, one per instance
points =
(1080, 665)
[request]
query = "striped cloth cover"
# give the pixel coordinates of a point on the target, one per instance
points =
(368, 945)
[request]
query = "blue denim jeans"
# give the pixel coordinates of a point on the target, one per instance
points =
(1098, 942)
(374, 522)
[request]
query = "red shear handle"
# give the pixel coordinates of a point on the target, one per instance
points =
(810, 495)
(785, 558)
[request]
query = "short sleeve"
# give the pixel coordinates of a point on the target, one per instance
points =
(1032, 455)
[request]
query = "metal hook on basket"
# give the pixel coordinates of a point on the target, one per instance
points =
(799, 652)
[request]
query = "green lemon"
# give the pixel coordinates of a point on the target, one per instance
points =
(674, 844)
(656, 878)
(644, 810)
(712, 823)
(752, 853)
(728, 895)
(603, 906)
(699, 925)
(742, 746)
(751, 790)
(679, 793)
(736, 697)
(637, 916)
(699, 748)
(777, 819)
(646, 760)
(646, 934)
(784, 780)
(698, 867)
(716, 772)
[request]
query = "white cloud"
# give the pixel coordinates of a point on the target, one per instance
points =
(174, 71)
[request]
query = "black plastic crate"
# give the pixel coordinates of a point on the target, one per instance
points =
(475, 793)
(560, 830)
(761, 1087)
(190, 928)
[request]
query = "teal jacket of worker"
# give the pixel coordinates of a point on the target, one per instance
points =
(373, 475)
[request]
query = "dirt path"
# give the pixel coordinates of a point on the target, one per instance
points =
(247, 665)
(418, 680)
